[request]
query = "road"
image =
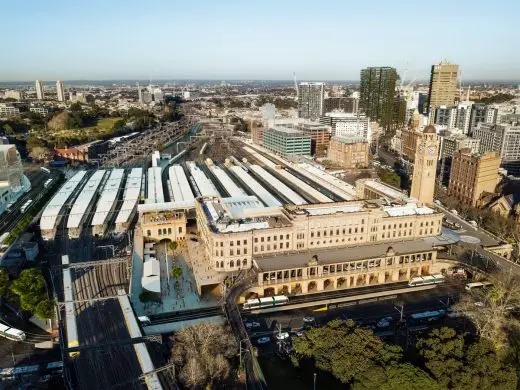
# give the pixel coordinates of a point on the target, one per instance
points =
(476, 240)
(436, 298)
(9, 219)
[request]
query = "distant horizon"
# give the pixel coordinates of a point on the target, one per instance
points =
(238, 80)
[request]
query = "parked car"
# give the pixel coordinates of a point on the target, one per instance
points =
(282, 336)
(384, 322)
(263, 340)
(252, 324)
(299, 333)
(308, 319)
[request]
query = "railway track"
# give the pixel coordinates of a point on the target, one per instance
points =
(184, 315)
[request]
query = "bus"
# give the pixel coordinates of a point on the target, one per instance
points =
(477, 285)
(11, 333)
(45, 170)
(265, 302)
(25, 206)
(425, 280)
(427, 315)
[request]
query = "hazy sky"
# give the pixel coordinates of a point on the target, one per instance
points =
(247, 39)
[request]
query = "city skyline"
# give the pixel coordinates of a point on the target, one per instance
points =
(165, 41)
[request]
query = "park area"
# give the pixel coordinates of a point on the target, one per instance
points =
(103, 127)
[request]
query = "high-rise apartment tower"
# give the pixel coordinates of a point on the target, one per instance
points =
(377, 94)
(60, 91)
(39, 90)
(443, 85)
(310, 100)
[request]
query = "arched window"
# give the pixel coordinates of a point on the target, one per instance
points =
(244, 262)
(169, 230)
(221, 264)
(216, 264)
(231, 263)
(160, 232)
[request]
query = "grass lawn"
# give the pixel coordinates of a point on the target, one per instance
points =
(102, 128)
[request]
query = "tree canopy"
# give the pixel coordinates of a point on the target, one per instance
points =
(445, 360)
(30, 287)
(202, 353)
(459, 364)
(344, 349)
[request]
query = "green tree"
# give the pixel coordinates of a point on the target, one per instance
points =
(390, 178)
(343, 349)
(148, 296)
(176, 272)
(8, 129)
(459, 364)
(45, 309)
(30, 287)
(75, 107)
(173, 245)
(119, 126)
(395, 376)
(4, 283)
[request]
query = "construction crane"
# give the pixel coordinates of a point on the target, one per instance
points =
(295, 85)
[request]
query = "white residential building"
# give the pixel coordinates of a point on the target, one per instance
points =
(348, 125)
(60, 91)
(40, 93)
(7, 110)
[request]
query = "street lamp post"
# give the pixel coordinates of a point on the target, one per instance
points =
(314, 386)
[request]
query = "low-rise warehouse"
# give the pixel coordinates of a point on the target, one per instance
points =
(155, 187)
(52, 214)
(277, 185)
(204, 185)
(83, 204)
(130, 199)
(107, 202)
(255, 187)
(229, 185)
(180, 189)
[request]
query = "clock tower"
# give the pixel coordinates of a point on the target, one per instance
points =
(425, 167)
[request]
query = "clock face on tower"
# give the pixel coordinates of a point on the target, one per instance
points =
(421, 148)
(431, 150)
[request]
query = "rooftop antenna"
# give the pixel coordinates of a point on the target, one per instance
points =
(295, 85)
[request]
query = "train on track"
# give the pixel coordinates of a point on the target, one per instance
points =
(11, 333)
(425, 280)
(265, 302)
